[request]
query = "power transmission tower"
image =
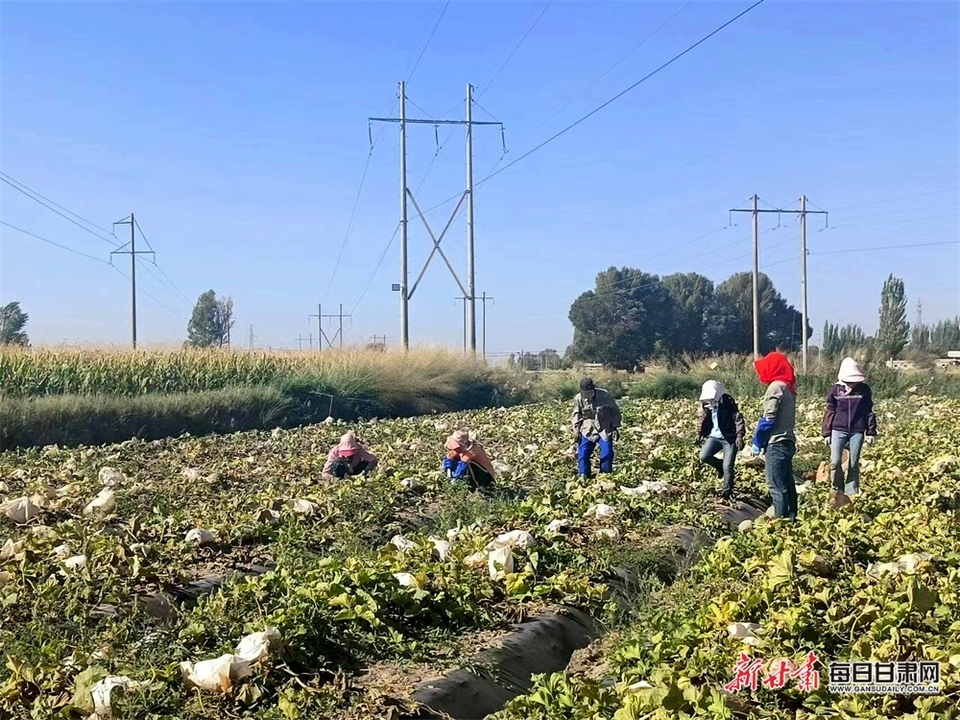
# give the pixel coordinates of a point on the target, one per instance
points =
(323, 335)
(406, 292)
(379, 339)
(802, 212)
(132, 252)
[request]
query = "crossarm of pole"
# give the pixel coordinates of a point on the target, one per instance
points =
(436, 243)
(430, 121)
(120, 251)
(779, 211)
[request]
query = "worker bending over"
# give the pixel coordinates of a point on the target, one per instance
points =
(596, 421)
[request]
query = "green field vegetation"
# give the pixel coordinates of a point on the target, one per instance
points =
(91, 397)
(361, 615)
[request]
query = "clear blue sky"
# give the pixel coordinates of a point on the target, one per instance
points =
(237, 133)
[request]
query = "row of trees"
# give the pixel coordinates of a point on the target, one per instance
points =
(631, 315)
(209, 326)
(894, 333)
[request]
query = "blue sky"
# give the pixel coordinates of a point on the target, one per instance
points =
(237, 133)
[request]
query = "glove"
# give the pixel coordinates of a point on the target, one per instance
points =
(826, 441)
(755, 450)
(739, 444)
(870, 439)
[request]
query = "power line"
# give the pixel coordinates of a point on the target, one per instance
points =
(89, 257)
(484, 88)
(427, 44)
(353, 215)
(51, 242)
(140, 289)
(593, 112)
(79, 217)
(376, 269)
(172, 285)
(611, 68)
(887, 247)
(52, 206)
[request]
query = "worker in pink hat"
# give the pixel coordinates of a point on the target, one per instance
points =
(466, 461)
(348, 457)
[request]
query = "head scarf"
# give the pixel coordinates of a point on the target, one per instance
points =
(349, 446)
(850, 372)
(469, 450)
(775, 366)
(712, 391)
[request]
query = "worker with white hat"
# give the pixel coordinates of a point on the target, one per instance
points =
(848, 422)
(720, 426)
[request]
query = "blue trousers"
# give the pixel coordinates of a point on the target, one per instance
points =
(585, 451)
(838, 441)
(462, 470)
(779, 471)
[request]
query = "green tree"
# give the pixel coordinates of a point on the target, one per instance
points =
(692, 295)
(210, 322)
(626, 317)
(12, 322)
(842, 340)
(730, 319)
(945, 336)
(894, 330)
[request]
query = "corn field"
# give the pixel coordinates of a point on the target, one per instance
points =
(33, 373)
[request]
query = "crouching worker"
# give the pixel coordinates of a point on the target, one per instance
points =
(348, 458)
(720, 427)
(596, 421)
(467, 461)
(775, 431)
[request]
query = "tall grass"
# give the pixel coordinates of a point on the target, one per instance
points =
(78, 396)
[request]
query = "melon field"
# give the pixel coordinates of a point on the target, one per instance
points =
(219, 577)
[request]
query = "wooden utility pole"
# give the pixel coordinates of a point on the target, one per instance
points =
(132, 252)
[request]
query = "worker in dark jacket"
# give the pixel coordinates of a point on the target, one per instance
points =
(848, 422)
(596, 421)
(720, 427)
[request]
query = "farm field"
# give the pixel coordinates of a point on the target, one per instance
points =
(140, 561)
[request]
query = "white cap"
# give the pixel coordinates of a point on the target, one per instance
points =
(850, 372)
(712, 390)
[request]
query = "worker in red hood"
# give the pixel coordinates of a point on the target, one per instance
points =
(775, 435)
(467, 461)
(348, 457)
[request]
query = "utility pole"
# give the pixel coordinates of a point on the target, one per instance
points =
(803, 281)
(251, 337)
(132, 252)
(407, 292)
(404, 290)
(802, 212)
(472, 307)
(319, 317)
(323, 335)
